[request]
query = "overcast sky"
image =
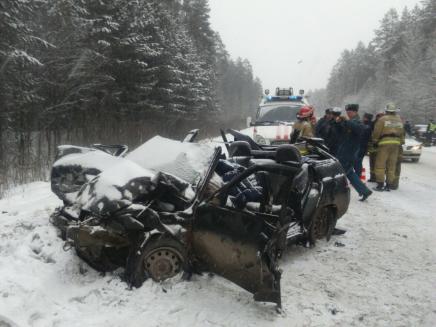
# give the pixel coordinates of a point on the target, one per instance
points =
(275, 35)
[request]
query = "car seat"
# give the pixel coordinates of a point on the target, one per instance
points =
(288, 153)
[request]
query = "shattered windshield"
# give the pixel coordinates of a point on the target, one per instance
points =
(188, 161)
(287, 113)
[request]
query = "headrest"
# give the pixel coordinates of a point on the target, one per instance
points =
(287, 152)
(240, 149)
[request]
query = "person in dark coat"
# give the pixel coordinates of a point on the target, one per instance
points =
(408, 128)
(246, 191)
(364, 141)
(323, 126)
(349, 129)
(331, 137)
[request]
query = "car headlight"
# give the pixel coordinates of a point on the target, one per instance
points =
(416, 147)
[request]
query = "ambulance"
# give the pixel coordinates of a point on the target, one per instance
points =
(275, 117)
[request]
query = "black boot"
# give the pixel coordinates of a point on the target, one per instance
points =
(338, 231)
(365, 196)
(379, 188)
(387, 188)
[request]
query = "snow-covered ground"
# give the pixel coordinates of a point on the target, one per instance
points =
(382, 272)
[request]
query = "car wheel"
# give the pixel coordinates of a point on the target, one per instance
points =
(415, 159)
(160, 258)
(322, 225)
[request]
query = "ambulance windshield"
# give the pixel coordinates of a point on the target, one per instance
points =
(282, 112)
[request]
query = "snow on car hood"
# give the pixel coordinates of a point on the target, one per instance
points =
(123, 180)
(187, 161)
(116, 187)
(92, 159)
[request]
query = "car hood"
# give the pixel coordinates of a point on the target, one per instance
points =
(87, 159)
(411, 142)
(137, 175)
(115, 188)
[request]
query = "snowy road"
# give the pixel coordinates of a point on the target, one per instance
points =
(381, 273)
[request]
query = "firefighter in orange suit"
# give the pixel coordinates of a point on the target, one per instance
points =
(387, 137)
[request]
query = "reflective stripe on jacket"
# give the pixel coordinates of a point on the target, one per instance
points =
(390, 140)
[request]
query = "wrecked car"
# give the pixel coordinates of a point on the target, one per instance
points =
(171, 207)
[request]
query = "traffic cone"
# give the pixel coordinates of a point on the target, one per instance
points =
(363, 175)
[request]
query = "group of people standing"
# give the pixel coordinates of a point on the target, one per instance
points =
(350, 138)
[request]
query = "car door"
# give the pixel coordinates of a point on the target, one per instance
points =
(239, 246)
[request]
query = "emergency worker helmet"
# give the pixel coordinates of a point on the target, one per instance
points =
(305, 112)
(391, 107)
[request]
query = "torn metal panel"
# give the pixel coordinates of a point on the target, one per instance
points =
(236, 245)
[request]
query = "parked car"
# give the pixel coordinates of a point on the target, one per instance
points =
(170, 208)
(412, 150)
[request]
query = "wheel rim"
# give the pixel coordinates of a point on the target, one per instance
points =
(321, 225)
(163, 263)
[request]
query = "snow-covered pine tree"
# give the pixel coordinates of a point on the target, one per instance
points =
(85, 71)
(398, 65)
(19, 77)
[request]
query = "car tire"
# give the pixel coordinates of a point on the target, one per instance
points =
(159, 258)
(415, 159)
(322, 225)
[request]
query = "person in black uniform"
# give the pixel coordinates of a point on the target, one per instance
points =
(364, 140)
(408, 128)
(332, 138)
(323, 126)
(349, 129)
